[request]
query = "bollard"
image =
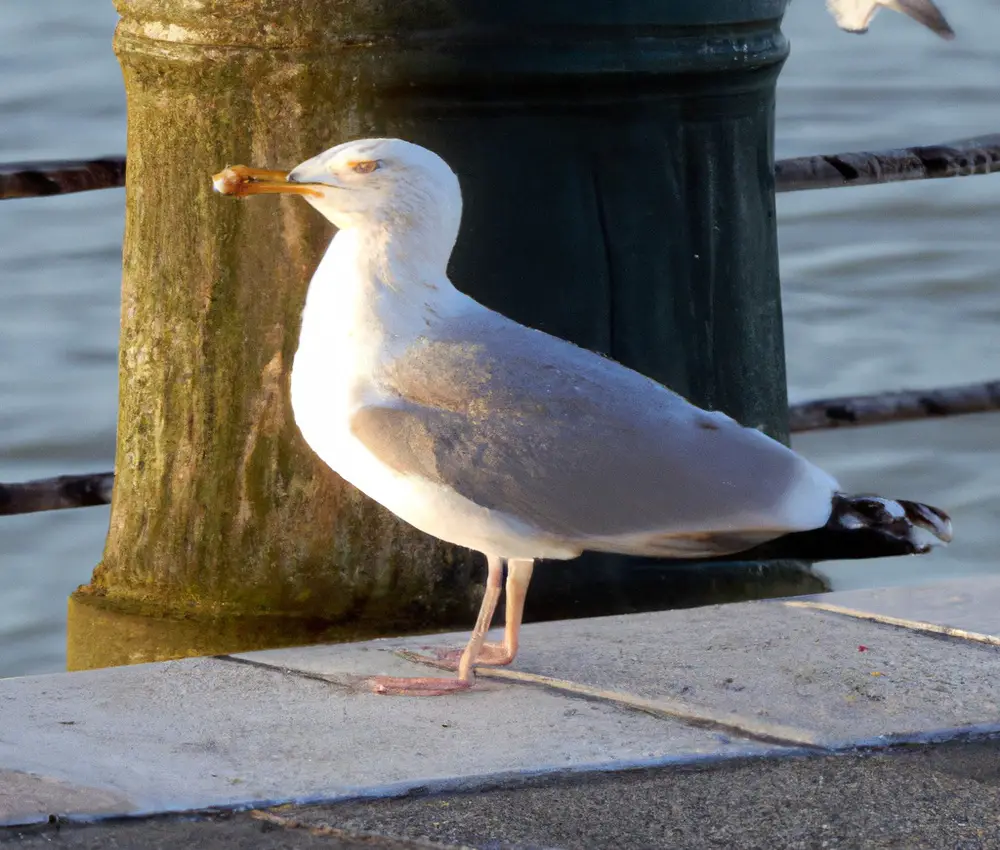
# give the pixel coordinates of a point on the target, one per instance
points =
(616, 162)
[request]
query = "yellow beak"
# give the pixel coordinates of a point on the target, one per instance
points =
(241, 180)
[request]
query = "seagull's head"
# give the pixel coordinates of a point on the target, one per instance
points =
(372, 182)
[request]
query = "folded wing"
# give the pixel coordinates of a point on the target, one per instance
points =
(582, 448)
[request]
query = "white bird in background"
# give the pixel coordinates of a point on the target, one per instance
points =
(856, 15)
(509, 441)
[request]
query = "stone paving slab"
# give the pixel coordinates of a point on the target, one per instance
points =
(968, 608)
(774, 671)
(210, 732)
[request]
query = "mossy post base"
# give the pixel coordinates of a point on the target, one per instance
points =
(616, 161)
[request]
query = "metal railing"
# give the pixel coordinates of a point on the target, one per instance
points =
(963, 158)
(956, 159)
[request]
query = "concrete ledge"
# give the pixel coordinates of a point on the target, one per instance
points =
(589, 695)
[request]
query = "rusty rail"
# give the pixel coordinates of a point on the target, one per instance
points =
(80, 491)
(826, 171)
(53, 494)
(955, 159)
(902, 406)
(40, 179)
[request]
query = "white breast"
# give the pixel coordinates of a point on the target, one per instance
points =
(346, 334)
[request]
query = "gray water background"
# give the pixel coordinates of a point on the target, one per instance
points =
(884, 287)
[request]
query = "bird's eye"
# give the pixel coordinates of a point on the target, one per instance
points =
(365, 166)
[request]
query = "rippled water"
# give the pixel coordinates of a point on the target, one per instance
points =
(884, 287)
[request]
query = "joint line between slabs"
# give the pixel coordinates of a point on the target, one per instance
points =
(785, 736)
(901, 622)
(287, 671)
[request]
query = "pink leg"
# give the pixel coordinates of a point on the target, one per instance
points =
(518, 578)
(438, 686)
(494, 654)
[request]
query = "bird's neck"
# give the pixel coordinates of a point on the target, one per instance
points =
(408, 260)
(377, 288)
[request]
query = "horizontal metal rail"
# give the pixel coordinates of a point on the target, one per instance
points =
(53, 494)
(826, 171)
(81, 491)
(40, 179)
(955, 159)
(902, 406)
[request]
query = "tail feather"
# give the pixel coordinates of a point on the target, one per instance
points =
(932, 519)
(859, 527)
(912, 524)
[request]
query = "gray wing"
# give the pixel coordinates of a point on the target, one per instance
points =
(581, 447)
(856, 15)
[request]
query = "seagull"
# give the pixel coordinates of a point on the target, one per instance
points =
(856, 15)
(493, 436)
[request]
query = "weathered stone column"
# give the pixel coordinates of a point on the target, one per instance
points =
(616, 162)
